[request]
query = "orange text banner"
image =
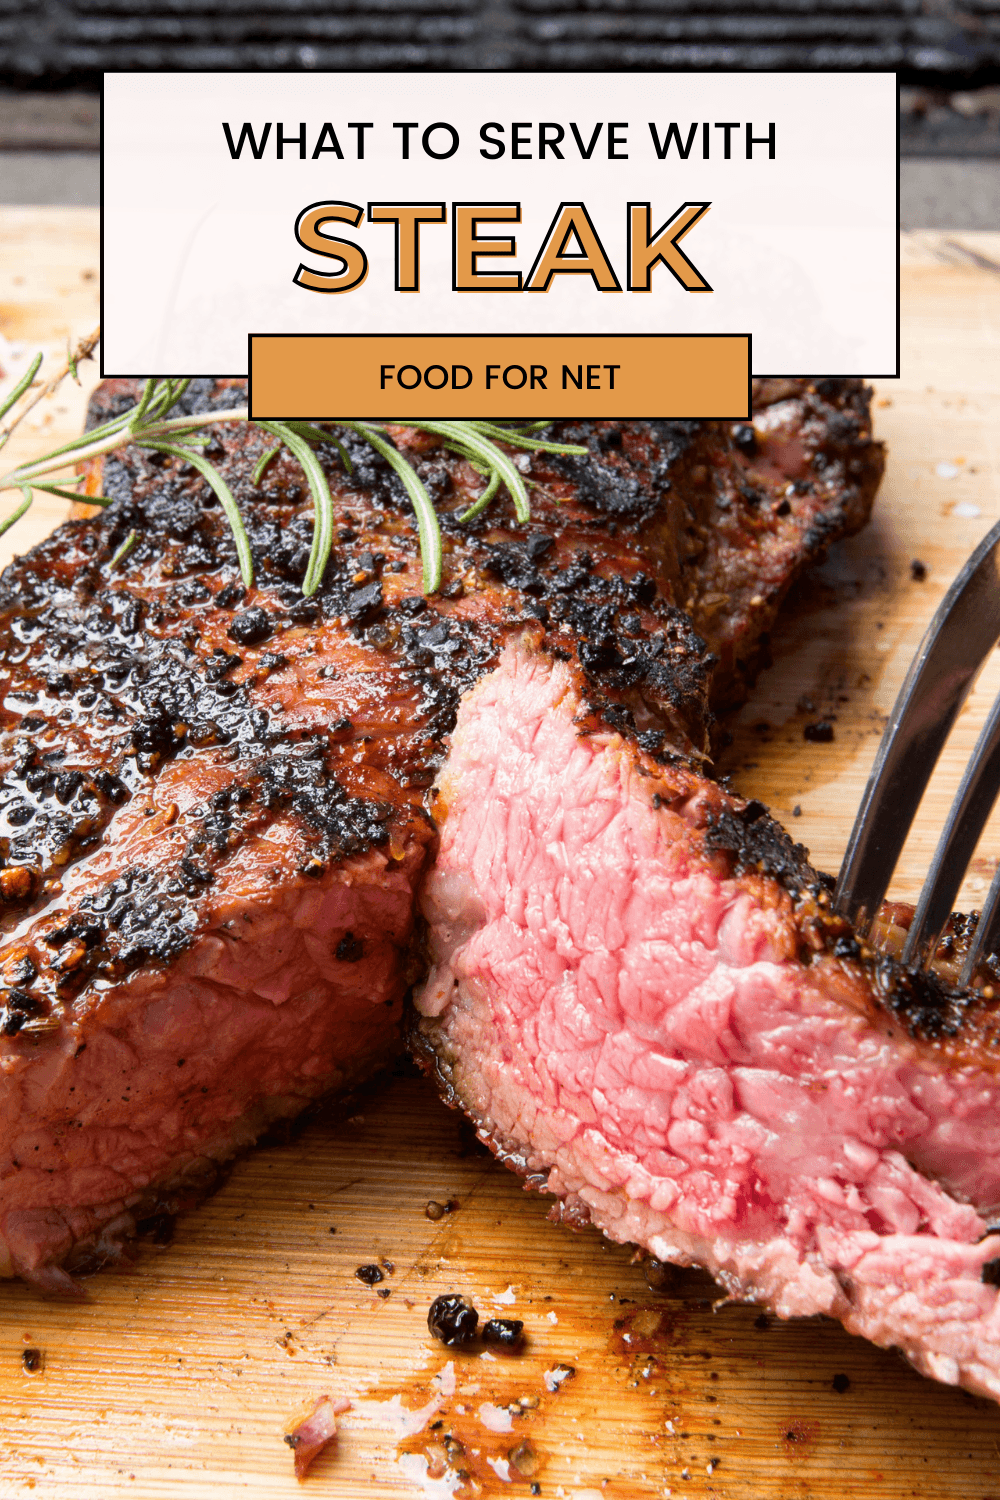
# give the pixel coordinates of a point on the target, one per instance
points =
(414, 377)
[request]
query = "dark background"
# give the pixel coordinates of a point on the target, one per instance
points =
(945, 44)
(946, 52)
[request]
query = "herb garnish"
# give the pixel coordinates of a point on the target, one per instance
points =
(149, 425)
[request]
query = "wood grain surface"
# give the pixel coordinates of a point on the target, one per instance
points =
(179, 1376)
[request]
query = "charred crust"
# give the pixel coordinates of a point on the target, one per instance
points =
(649, 483)
(927, 1000)
(609, 480)
(138, 917)
(759, 845)
(300, 781)
(629, 640)
(930, 1009)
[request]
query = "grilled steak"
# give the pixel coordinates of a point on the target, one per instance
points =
(214, 805)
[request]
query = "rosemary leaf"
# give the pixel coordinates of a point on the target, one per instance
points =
(478, 506)
(311, 432)
(322, 541)
(262, 464)
(124, 550)
(16, 515)
(21, 387)
(473, 458)
(138, 412)
(178, 388)
(112, 435)
(423, 507)
(102, 500)
(64, 494)
(86, 446)
(163, 397)
(345, 458)
(319, 435)
(148, 425)
(522, 440)
(225, 495)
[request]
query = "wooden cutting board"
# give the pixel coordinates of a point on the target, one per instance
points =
(177, 1377)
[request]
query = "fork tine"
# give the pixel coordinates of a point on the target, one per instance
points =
(972, 806)
(986, 938)
(964, 630)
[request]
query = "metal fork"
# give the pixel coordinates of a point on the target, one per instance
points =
(961, 635)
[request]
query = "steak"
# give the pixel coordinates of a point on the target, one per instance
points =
(642, 998)
(216, 806)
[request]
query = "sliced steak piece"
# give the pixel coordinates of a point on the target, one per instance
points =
(644, 1001)
(212, 804)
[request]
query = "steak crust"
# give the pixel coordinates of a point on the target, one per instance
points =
(214, 805)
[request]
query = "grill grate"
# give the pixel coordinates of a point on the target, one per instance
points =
(60, 43)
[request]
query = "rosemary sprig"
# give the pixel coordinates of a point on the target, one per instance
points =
(149, 425)
(322, 541)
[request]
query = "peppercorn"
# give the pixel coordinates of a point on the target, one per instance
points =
(452, 1319)
(370, 1275)
(503, 1333)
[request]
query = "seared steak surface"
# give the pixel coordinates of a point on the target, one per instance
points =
(214, 806)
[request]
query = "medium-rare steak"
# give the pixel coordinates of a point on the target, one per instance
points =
(214, 804)
(644, 1001)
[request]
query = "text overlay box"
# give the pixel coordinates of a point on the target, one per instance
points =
(524, 376)
(542, 203)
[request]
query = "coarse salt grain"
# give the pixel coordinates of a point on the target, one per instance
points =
(496, 1418)
(401, 1422)
(416, 1468)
